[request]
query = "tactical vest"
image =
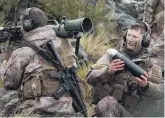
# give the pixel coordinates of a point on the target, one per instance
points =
(45, 82)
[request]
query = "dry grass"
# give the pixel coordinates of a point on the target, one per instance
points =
(105, 37)
(86, 88)
(109, 33)
(94, 46)
(0, 84)
(27, 113)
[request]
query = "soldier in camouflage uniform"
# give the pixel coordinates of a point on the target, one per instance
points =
(154, 15)
(157, 40)
(32, 74)
(116, 92)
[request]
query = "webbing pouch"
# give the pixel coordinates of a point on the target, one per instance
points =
(132, 101)
(118, 91)
(32, 88)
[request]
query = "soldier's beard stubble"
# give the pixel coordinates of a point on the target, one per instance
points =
(135, 48)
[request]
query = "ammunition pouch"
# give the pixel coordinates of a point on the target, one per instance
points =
(43, 85)
(132, 101)
(31, 88)
(118, 91)
(99, 92)
(49, 82)
(103, 90)
(95, 94)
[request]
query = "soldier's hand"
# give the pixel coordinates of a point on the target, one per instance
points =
(115, 65)
(142, 82)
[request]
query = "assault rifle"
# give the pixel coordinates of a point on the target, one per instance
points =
(8, 34)
(67, 76)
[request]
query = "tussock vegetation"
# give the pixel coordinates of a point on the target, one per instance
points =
(86, 88)
(26, 113)
(94, 46)
(98, 43)
(82, 73)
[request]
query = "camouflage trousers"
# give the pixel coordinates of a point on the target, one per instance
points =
(109, 107)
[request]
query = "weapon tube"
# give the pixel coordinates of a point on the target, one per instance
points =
(129, 65)
(71, 28)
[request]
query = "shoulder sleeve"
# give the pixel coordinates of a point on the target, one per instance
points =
(16, 64)
(98, 72)
(155, 72)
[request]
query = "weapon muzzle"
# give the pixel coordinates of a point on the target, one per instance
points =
(86, 25)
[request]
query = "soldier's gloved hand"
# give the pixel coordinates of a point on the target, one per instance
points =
(142, 82)
(115, 65)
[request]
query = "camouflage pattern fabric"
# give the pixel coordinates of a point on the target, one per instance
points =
(111, 105)
(25, 63)
(152, 7)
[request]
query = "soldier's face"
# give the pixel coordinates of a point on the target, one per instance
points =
(134, 39)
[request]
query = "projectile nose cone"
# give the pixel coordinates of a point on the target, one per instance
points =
(111, 52)
(1, 28)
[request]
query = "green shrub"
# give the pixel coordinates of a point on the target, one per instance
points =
(74, 9)
(5, 6)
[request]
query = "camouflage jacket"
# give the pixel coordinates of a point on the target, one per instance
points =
(157, 48)
(26, 71)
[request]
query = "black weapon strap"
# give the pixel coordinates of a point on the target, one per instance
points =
(38, 50)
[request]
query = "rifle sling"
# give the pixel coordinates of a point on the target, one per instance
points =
(37, 49)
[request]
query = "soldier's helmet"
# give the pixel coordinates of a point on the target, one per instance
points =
(33, 18)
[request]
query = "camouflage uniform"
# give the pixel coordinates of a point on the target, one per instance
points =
(157, 48)
(152, 7)
(157, 40)
(118, 94)
(30, 73)
(154, 15)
